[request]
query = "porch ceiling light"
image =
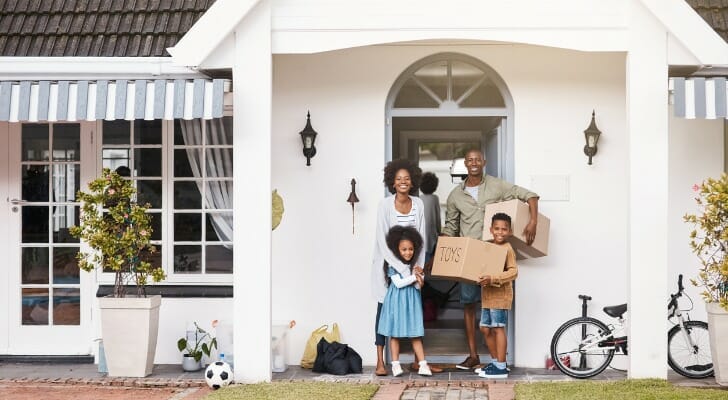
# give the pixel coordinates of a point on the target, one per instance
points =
(308, 137)
(591, 135)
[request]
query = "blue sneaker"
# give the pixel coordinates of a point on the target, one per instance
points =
(493, 372)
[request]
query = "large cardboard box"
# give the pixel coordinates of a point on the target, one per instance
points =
(520, 215)
(466, 259)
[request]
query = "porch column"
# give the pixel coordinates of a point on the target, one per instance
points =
(648, 154)
(252, 86)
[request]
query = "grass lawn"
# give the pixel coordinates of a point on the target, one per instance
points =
(295, 391)
(652, 389)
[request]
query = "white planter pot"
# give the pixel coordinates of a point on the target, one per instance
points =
(718, 330)
(189, 364)
(129, 329)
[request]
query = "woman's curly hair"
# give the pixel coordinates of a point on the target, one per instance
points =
(429, 183)
(395, 235)
(390, 170)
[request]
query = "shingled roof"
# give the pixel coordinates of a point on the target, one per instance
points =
(715, 13)
(95, 28)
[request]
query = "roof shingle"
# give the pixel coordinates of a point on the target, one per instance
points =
(715, 13)
(95, 28)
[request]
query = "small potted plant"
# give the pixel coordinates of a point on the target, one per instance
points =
(709, 241)
(198, 342)
(118, 231)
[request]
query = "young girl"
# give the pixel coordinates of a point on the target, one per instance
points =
(401, 315)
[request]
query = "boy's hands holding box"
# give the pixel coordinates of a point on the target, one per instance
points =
(467, 260)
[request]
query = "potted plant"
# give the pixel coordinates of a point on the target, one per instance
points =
(198, 342)
(709, 241)
(118, 232)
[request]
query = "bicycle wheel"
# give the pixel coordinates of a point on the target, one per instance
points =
(575, 351)
(691, 361)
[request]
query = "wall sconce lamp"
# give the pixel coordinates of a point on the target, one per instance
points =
(308, 137)
(591, 135)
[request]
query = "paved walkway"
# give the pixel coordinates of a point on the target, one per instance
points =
(23, 381)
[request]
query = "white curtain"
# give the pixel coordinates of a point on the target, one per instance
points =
(218, 194)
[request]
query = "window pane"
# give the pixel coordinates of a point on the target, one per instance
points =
(218, 260)
(35, 306)
(187, 259)
(116, 132)
(150, 192)
(187, 196)
(65, 265)
(434, 77)
(35, 224)
(219, 195)
(464, 76)
(153, 258)
(35, 142)
(66, 142)
(187, 132)
(156, 226)
(66, 306)
(148, 162)
(219, 131)
(148, 132)
(411, 95)
(219, 227)
(183, 164)
(219, 162)
(35, 265)
(187, 227)
(487, 95)
(63, 218)
(35, 183)
(66, 182)
(115, 158)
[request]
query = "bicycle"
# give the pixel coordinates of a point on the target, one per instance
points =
(583, 347)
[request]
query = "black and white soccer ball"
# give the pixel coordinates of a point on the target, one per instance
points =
(218, 374)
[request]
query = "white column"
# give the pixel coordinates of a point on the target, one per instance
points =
(648, 154)
(252, 86)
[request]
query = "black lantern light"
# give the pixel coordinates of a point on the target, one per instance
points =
(591, 135)
(308, 137)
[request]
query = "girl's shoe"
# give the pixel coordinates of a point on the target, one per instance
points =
(397, 369)
(424, 369)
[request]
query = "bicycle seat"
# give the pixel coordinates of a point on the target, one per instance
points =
(616, 311)
(584, 297)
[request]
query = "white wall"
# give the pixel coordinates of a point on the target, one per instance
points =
(321, 271)
(696, 153)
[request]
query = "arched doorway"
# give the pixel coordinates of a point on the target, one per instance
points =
(437, 109)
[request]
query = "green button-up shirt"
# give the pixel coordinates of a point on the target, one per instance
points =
(464, 216)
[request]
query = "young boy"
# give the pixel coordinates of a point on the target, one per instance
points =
(497, 297)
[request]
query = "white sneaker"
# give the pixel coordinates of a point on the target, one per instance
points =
(397, 369)
(424, 369)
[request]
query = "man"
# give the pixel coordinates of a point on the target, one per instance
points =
(464, 217)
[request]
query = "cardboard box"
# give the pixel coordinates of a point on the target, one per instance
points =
(520, 215)
(465, 259)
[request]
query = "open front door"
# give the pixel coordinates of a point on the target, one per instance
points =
(48, 300)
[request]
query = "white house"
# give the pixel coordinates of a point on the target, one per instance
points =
(381, 79)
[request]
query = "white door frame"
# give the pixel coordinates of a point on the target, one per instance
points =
(43, 339)
(4, 244)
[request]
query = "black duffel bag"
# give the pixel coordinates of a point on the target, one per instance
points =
(336, 358)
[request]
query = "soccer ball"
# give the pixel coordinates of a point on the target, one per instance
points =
(218, 374)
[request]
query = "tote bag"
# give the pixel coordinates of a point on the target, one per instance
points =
(309, 353)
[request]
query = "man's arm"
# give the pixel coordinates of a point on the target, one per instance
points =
(530, 231)
(452, 218)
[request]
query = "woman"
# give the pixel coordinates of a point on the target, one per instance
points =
(402, 178)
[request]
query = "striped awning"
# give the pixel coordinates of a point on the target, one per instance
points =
(33, 101)
(699, 97)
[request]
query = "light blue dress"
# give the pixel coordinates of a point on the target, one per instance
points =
(401, 315)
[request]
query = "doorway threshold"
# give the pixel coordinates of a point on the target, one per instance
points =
(35, 359)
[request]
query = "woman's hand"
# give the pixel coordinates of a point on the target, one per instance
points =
(485, 280)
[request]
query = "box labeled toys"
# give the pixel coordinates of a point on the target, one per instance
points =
(465, 259)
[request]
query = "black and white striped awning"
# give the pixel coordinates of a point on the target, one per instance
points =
(699, 97)
(33, 101)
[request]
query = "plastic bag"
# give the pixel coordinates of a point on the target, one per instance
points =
(309, 353)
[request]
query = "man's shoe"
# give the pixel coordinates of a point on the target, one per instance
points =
(493, 372)
(469, 363)
(416, 367)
